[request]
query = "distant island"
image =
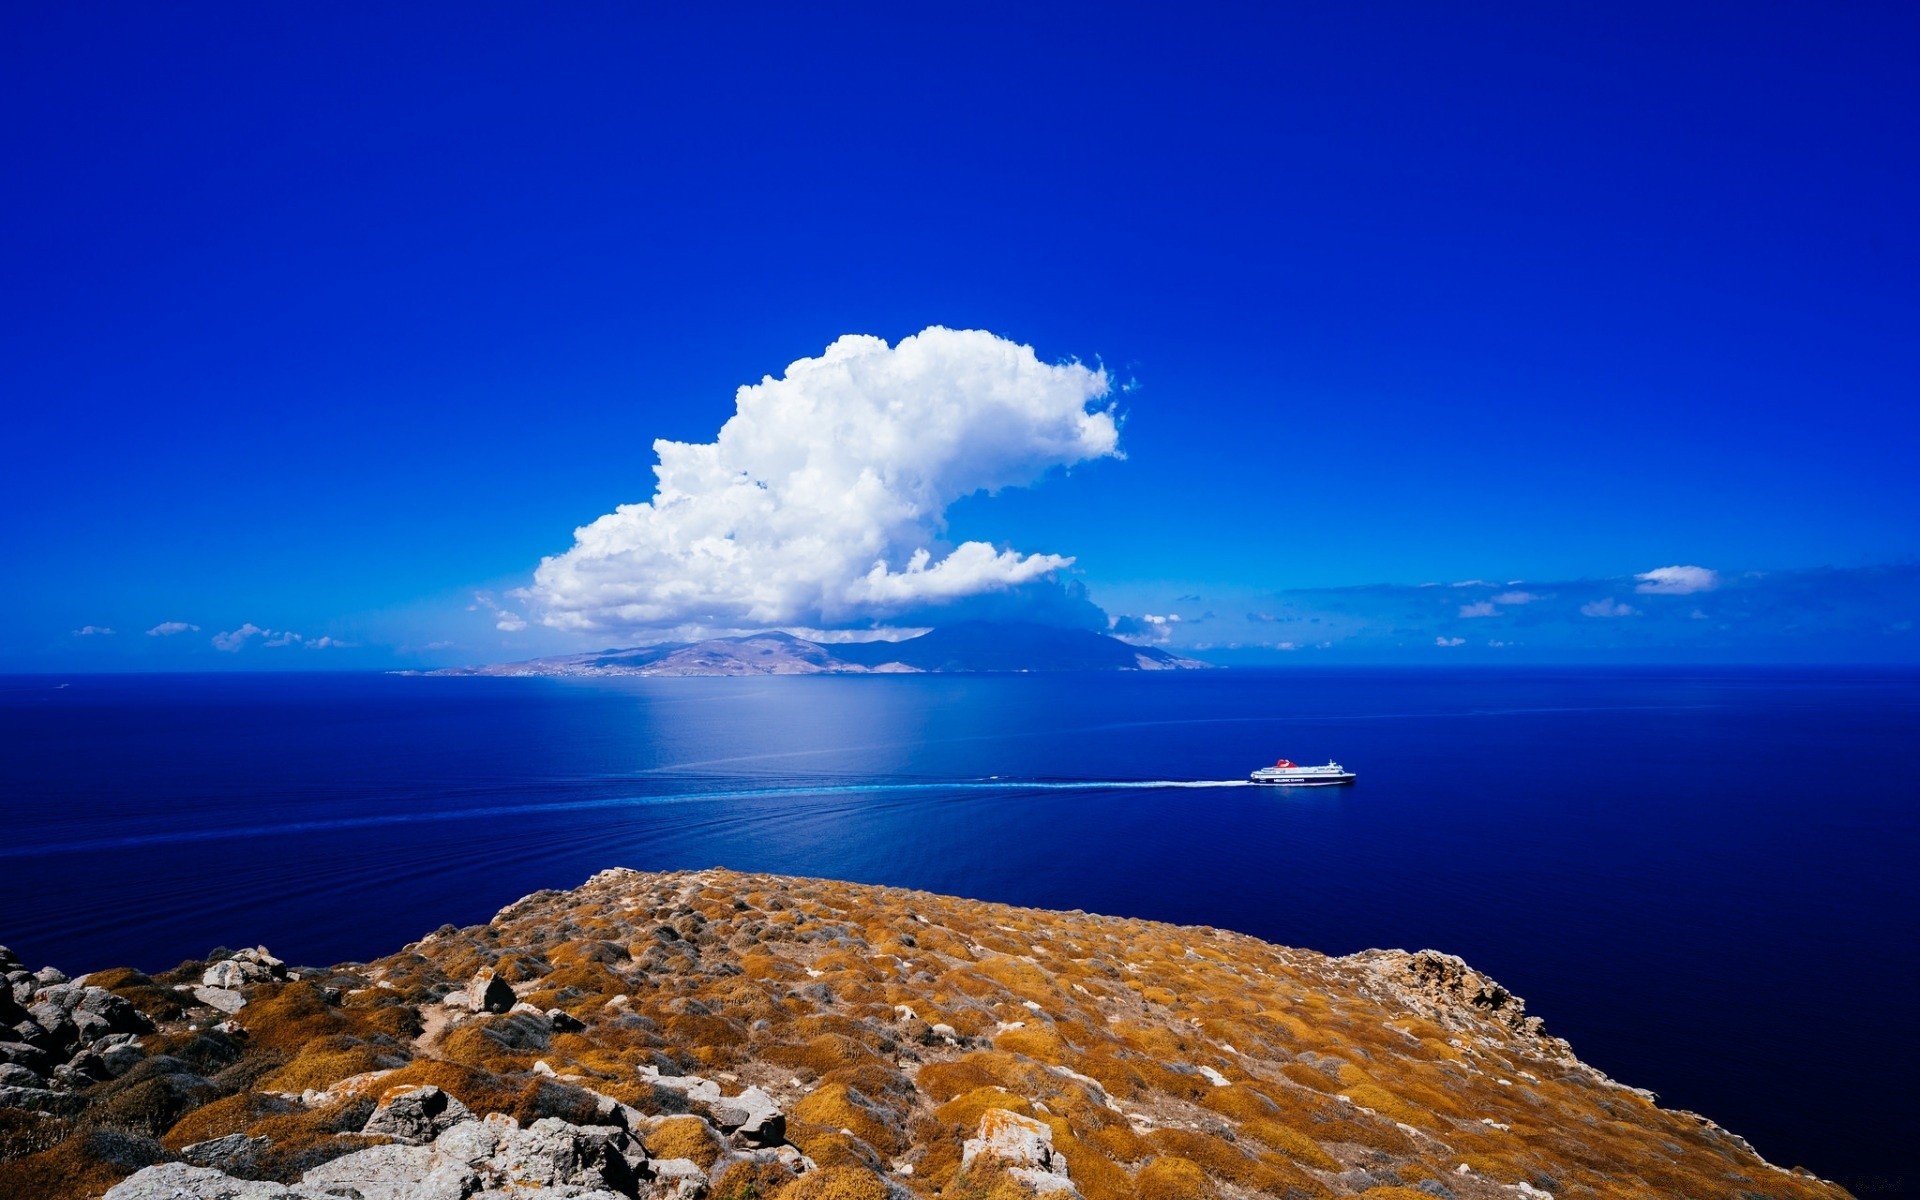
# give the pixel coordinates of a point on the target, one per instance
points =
(968, 646)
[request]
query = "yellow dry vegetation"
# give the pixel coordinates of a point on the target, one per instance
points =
(1099, 1027)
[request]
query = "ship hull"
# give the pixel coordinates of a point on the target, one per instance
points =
(1305, 781)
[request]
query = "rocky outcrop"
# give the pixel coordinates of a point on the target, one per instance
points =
(1021, 1147)
(1444, 985)
(647, 1036)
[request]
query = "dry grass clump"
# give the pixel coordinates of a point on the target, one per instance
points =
(1223, 1160)
(328, 1063)
(749, 1180)
(836, 1106)
(683, 1137)
(157, 1002)
(1171, 1178)
(84, 1164)
(836, 1183)
(963, 1112)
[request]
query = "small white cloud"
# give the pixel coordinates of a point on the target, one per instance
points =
(324, 642)
(169, 628)
(1515, 598)
(505, 620)
(1483, 609)
(92, 631)
(1447, 641)
(1677, 581)
(233, 640)
(1498, 644)
(1473, 583)
(1157, 626)
(1607, 608)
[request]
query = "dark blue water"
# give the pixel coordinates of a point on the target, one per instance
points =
(1705, 880)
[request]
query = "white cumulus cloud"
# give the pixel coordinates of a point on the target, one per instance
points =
(1677, 581)
(822, 501)
(1447, 641)
(169, 628)
(1515, 598)
(234, 640)
(92, 631)
(1483, 609)
(1607, 608)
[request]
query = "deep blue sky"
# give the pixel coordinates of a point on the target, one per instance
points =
(321, 321)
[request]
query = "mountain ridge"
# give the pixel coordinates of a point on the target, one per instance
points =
(970, 646)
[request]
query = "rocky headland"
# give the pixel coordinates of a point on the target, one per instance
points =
(745, 1037)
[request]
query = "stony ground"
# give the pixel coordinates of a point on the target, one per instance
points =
(751, 1036)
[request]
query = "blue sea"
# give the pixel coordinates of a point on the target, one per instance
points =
(1705, 879)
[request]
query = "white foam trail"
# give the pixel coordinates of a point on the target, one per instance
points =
(376, 820)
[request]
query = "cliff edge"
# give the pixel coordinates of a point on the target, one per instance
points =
(742, 1036)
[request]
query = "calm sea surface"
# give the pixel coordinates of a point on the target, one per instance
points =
(1705, 879)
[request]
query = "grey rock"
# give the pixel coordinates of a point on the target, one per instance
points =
(470, 1142)
(20, 1054)
(680, 1177)
(183, 1181)
(392, 1173)
(121, 1058)
(14, 1075)
(417, 1116)
(50, 975)
(489, 993)
(119, 1014)
(565, 1022)
(9, 961)
(57, 1027)
(40, 1100)
(225, 999)
(82, 1070)
(234, 1152)
(752, 1115)
(245, 967)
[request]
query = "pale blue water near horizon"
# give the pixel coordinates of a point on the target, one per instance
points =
(1703, 878)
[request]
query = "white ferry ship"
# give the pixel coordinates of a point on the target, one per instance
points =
(1289, 773)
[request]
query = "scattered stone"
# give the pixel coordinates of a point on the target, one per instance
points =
(565, 1022)
(243, 968)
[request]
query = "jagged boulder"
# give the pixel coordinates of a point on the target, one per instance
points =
(490, 993)
(752, 1116)
(416, 1115)
(1023, 1147)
